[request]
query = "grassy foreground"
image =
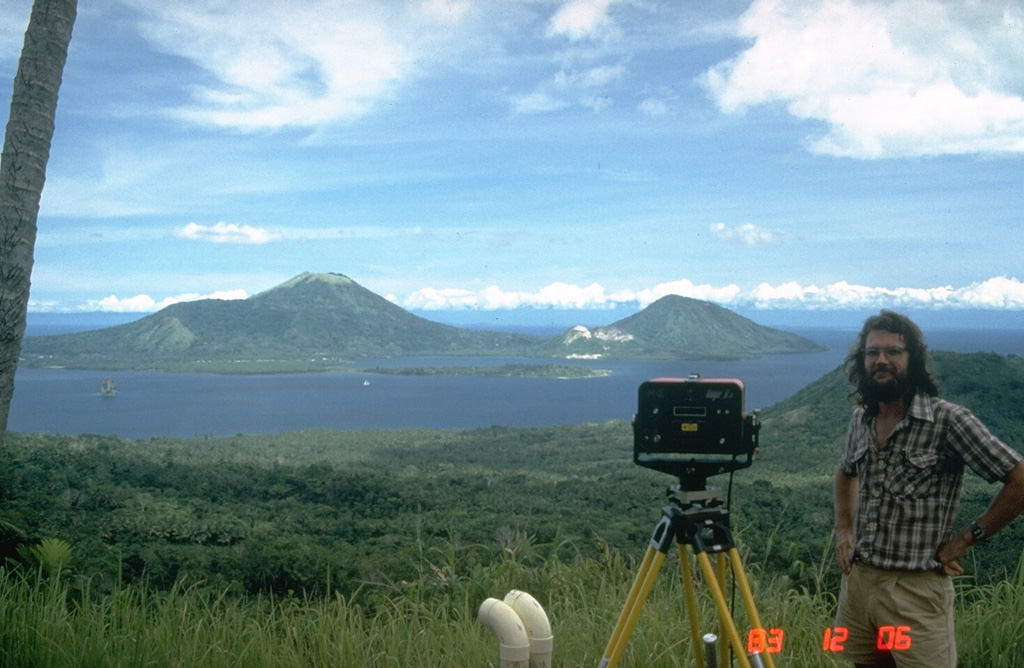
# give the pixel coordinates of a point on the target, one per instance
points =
(52, 621)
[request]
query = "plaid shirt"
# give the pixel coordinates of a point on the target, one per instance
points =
(909, 490)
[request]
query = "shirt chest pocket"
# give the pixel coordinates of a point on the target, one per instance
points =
(913, 475)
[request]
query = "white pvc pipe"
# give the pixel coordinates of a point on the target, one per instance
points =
(538, 628)
(515, 644)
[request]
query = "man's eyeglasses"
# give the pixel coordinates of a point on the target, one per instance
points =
(894, 351)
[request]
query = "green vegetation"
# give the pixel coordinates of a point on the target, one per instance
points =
(316, 321)
(504, 370)
(376, 547)
(49, 622)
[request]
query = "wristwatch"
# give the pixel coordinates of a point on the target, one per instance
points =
(978, 533)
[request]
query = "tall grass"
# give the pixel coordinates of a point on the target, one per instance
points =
(52, 622)
(990, 627)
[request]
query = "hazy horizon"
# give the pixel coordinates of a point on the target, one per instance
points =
(553, 321)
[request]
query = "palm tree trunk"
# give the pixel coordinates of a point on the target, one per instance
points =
(23, 172)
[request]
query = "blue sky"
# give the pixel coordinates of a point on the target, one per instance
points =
(783, 154)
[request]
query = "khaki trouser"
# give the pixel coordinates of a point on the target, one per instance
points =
(910, 613)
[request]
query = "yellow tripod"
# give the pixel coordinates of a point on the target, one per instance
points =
(692, 519)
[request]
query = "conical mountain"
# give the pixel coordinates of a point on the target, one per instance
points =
(311, 317)
(684, 327)
(677, 327)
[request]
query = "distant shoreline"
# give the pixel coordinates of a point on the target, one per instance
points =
(560, 371)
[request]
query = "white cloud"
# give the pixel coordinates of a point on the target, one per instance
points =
(432, 299)
(904, 78)
(566, 295)
(222, 232)
(300, 64)
(570, 87)
(596, 103)
(747, 235)
(226, 233)
(562, 295)
(143, 303)
(538, 102)
(580, 19)
(653, 106)
(1000, 292)
(594, 77)
(995, 293)
(683, 288)
(136, 304)
(555, 295)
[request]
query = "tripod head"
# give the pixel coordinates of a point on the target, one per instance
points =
(695, 500)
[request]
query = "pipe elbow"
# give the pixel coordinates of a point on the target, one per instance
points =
(515, 643)
(538, 627)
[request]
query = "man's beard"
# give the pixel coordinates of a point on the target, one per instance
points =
(891, 390)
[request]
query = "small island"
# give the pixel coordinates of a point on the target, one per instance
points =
(107, 388)
(562, 371)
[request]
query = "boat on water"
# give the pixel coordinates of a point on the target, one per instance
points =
(107, 388)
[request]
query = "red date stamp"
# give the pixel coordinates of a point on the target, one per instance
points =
(760, 641)
(889, 638)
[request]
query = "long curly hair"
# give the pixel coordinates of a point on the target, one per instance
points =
(919, 376)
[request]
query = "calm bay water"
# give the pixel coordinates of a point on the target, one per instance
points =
(182, 405)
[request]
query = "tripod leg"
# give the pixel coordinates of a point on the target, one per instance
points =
(723, 630)
(723, 610)
(691, 604)
(748, 598)
(638, 594)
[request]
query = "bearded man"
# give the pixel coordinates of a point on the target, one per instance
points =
(896, 493)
